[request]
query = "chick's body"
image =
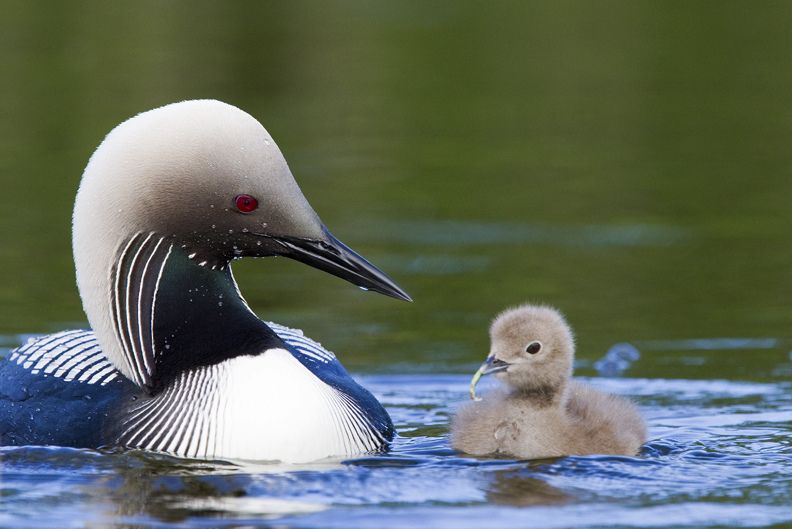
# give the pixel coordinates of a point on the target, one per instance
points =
(543, 412)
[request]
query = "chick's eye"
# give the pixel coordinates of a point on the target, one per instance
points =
(245, 203)
(533, 347)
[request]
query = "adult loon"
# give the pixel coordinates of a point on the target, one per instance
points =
(176, 361)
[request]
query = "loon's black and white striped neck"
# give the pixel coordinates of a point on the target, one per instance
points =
(172, 312)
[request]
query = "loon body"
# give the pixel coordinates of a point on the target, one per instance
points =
(176, 361)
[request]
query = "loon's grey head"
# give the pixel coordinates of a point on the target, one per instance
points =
(208, 179)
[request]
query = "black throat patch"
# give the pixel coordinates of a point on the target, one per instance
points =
(173, 313)
(200, 319)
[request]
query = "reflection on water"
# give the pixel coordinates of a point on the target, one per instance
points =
(256, 507)
(521, 488)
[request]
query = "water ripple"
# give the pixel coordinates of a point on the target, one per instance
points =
(707, 463)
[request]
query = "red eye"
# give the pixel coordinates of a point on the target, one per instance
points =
(245, 203)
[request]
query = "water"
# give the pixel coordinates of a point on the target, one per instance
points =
(719, 455)
(627, 161)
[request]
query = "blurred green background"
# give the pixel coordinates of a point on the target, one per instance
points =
(628, 162)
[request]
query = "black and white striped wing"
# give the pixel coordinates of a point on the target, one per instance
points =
(305, 346)
(70, 355)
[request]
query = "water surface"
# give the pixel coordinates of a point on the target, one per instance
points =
(719, 455)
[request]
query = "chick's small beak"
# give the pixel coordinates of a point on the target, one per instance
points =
(491, 365)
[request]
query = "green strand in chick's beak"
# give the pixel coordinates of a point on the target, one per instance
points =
(474, 381)
(491, 365)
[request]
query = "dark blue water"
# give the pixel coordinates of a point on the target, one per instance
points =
(720, 454)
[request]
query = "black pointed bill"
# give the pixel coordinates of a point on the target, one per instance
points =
(334, 257)
(491, 365)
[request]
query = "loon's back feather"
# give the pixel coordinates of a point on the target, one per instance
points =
(76, 355)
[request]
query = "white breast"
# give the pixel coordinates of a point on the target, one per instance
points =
(278, 409)
(264, 407)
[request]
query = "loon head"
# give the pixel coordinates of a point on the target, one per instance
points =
(198, 183)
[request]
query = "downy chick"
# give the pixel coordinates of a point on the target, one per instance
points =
(542, 412)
